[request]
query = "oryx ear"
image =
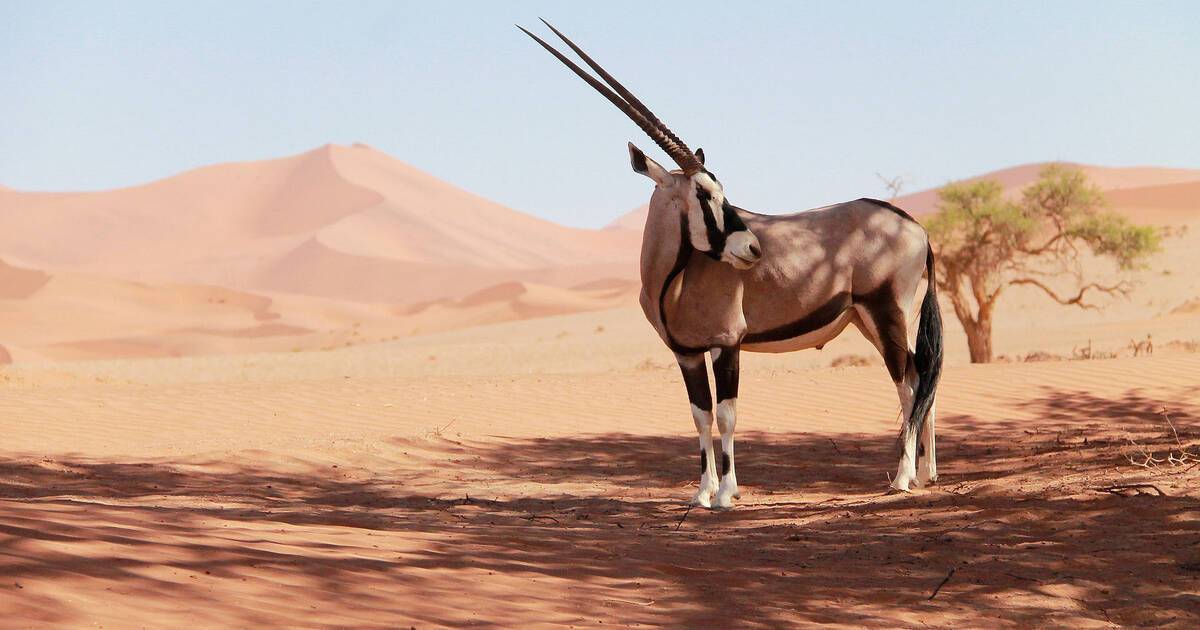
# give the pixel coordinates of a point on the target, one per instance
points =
(646, 166)
(700, 155)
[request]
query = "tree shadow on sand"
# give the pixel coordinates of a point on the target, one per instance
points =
(1017, 525)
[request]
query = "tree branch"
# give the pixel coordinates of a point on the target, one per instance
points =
(1037, 251)
(1121, 288)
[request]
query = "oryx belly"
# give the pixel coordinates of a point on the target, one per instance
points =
(813, 338)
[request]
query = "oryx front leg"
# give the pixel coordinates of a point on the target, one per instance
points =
(695, 377)
(725, 373)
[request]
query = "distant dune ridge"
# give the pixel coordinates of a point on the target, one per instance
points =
(1135, 188)
(249, 225)
(347, 245)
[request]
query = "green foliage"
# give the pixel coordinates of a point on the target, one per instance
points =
(984, 242)
(1054, 216)
(1113, 235)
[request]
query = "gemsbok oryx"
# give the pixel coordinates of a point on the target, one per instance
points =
(719, 279)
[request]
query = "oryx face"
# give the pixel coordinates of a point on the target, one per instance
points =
(715, 227)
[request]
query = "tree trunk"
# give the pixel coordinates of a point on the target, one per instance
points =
(979, 339)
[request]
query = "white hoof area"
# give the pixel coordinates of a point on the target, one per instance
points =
(901, 484)
(723, 501)
(703, 497)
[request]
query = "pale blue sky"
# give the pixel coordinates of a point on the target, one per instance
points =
(796, 104)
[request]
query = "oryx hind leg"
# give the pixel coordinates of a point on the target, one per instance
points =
(882, 321)
(927, 467)
(695, 378)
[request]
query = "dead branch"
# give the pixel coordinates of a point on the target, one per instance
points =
(1137, 488)
(1149, 461)
(534, 517)
(1180, 457)
(894, 184)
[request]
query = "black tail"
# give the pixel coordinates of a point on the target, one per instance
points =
(928, 357)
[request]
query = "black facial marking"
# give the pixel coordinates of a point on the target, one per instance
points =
(724, 464)
(716, 238)
(725, 373)
(695, 378)
(733, 222)
(703, 462)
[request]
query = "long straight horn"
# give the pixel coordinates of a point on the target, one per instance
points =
(623, 91)
(657, 132)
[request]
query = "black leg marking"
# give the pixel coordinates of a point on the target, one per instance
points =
(725, 373)
(724, 464)
(886, 314)
(703, 461)
(695, 378)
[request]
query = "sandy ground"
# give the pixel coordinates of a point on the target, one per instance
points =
(446, 481)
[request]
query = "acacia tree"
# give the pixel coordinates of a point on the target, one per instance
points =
(985, 243)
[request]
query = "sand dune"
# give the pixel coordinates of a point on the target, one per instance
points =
(241, 225)
(1108, 179)
(68, 315)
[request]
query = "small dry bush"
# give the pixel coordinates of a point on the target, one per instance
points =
(851, 360)
(1180, 345)
(650, 365)
(1037, 356)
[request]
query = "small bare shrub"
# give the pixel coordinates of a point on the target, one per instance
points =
(1190, 345)
(650, 365)
(851, 360)
(1038, 356)
(1177, 455)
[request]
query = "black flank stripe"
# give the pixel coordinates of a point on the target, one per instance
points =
(820, 318)
(685, 251)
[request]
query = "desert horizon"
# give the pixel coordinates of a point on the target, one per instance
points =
(247, 270)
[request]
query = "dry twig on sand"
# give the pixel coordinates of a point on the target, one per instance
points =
(941, 584)
(685, 514)
(1137, 488)
(1180, 457)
